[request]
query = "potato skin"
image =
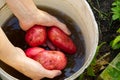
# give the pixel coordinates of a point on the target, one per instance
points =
(61, 40)
(33, 51)
(36, 36)
(52, 60)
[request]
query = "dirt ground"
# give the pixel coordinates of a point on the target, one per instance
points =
(107, 32)
(107, 27)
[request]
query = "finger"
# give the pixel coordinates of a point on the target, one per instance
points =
(63, 27)
(53, 21)
(60, 25)
(20, 51)
(53, 73)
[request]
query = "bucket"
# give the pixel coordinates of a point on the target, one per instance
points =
(80, 12)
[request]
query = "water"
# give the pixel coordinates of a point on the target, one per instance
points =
(16, 36)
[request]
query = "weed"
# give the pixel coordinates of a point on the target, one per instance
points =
(116, 10)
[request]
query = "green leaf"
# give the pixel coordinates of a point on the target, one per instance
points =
(81, 77)
(112, 72)
(118, 31)
(116, 10)
(90, 71)
(98, 47)
(115, 17)
(116, 3)
(117, 46)
(115, 43)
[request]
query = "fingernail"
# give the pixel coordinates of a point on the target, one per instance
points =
(68, 32)
(59, 73)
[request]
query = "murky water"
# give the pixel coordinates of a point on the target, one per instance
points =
(16, 36)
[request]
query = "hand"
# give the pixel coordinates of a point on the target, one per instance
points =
(42, 18)
(29, 15)
(16, 58)
(34, 70)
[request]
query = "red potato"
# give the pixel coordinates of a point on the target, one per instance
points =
(32, 52)
(61, 40)
(52, 60)
(36, 35)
